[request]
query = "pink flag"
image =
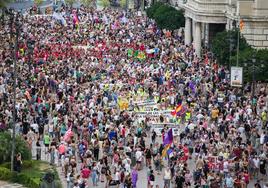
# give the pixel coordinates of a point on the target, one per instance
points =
(75, 19)
(68, 134)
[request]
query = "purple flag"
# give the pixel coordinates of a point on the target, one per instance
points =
(192, 86)
(168, 139)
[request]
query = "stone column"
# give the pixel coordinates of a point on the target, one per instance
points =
(197, 38)
(206, 34)
(193, 29)
(227, 26)
(188, 33)
(203, 29)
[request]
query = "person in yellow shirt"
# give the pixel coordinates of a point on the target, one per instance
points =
(264, 118)
(214, 113)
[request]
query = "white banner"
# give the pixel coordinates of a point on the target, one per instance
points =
(236, 76)
(165, 113)
(157, 127)
(144, 103)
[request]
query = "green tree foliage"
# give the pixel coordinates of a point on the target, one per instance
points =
(123, 3)
(245, 60)
(166, 16)
(152, 9)
(70, 2)
(31, 175)
(105, 3)
(5, 149)
(221, 49)
(3, 3)
(87, 3)
(38, 2)
(221, 45)
(170, 20)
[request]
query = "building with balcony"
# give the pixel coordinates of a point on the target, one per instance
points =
(204, 18)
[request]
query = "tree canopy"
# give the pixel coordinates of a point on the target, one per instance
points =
(166, 16)
(221, 45)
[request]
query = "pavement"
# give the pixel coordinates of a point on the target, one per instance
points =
(4, 184)
(142, 174)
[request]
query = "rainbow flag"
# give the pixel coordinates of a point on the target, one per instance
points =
(178, 110)
(168, 139)
(164, 151)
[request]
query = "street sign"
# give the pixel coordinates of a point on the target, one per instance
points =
(236, 76)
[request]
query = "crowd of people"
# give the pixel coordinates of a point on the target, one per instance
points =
(82, 90)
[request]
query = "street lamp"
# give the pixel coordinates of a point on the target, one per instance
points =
(253, 77)
(254, 69)
(17, 28)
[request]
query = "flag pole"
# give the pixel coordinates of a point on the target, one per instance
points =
(238, 37)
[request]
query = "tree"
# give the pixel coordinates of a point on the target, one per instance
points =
(152, 9)
(105, 3)
(170, 20)
(70, 2)
(166, 16)
(38, 2)
(5, 149)
(87, 3)
(123, 3)
(221, 45)
(245, 60)
(3, 3)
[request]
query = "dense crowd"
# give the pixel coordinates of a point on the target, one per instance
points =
(79, 93)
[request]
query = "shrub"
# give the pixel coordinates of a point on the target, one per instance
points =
(31, 174)
(25, 164)
(5, 174)
(20, 147)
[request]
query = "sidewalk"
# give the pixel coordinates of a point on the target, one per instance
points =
(62, 178)
(4, 184)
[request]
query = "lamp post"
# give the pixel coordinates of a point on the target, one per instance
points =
(253, 77)
(17, 27)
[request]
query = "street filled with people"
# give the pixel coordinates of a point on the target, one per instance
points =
(117, 102)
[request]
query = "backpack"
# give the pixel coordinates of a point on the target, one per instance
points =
(197, 175)
(266, 139)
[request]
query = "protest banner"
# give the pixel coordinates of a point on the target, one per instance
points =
(157, 127)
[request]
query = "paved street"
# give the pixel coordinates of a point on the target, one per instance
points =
(142, 176)
(100, 78)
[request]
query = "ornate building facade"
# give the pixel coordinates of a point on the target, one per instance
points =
(204, 18)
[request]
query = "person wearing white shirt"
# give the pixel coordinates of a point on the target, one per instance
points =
(262, 138)
(167, 177)
(256, 162)
(138, 156)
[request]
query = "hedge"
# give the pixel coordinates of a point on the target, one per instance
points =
(5, 174)
(31, 175)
